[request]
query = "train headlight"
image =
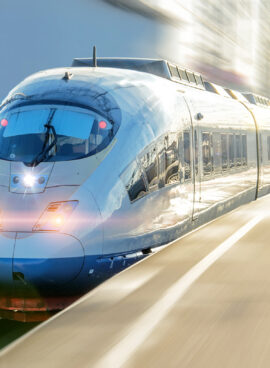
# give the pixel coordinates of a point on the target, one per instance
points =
(55, 216)
(29, 180)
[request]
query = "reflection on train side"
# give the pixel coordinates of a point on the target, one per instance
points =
(168, 160)
(223, 151)
(156, 167)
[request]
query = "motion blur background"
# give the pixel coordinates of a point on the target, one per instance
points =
(227, 40)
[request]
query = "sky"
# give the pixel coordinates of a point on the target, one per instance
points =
(227, 41)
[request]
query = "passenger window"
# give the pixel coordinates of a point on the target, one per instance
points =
(224, 150)
(161, 168)
(134, 181)
(268, 147)
(207, 153)
(217, 152)
(187, 165)
(172, 160)
(149, 164)
(196, 147)
(231, 150)
(238, 149)
(244, 150)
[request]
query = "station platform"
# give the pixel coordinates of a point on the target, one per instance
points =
(202, 301)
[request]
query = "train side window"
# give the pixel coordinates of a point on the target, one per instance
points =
(207, 153)
(172, 159)
(149, 164)
(196, 148)
(268, 147)
(187, 155)
(224, 150)
(238, 150)
(217, 152)
(231, 150)
(134, 181)
(244, 149)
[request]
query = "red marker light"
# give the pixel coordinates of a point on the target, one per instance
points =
(102, 124)
(4, 122)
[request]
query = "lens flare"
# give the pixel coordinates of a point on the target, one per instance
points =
(58, 220)
(29, 180)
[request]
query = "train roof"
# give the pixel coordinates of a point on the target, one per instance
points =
(159, 67)
(173, 72)
(257, 99)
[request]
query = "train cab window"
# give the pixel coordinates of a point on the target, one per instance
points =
(268, 148)
(134, 181)
(224, 151)
(238, 150)
(73, 133)
(231, 150)
(244, 149)
(187, 161)
(149, 164)
(171, 159)
(207, 153)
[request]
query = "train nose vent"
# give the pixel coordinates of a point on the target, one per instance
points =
(53, 207)
(18, 276)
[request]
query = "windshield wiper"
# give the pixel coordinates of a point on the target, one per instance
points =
(45, 149)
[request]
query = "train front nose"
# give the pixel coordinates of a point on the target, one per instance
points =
(46, 260)
(34, 269)
(7, 242)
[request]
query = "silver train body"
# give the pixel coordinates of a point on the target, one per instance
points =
(171, 157)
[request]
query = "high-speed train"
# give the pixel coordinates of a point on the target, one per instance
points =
(99, 165)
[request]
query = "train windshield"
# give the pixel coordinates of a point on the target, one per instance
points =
(33, 134)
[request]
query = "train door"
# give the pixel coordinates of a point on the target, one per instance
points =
(259, 118)
(196, 172)
(259, 162)
(195, 153)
